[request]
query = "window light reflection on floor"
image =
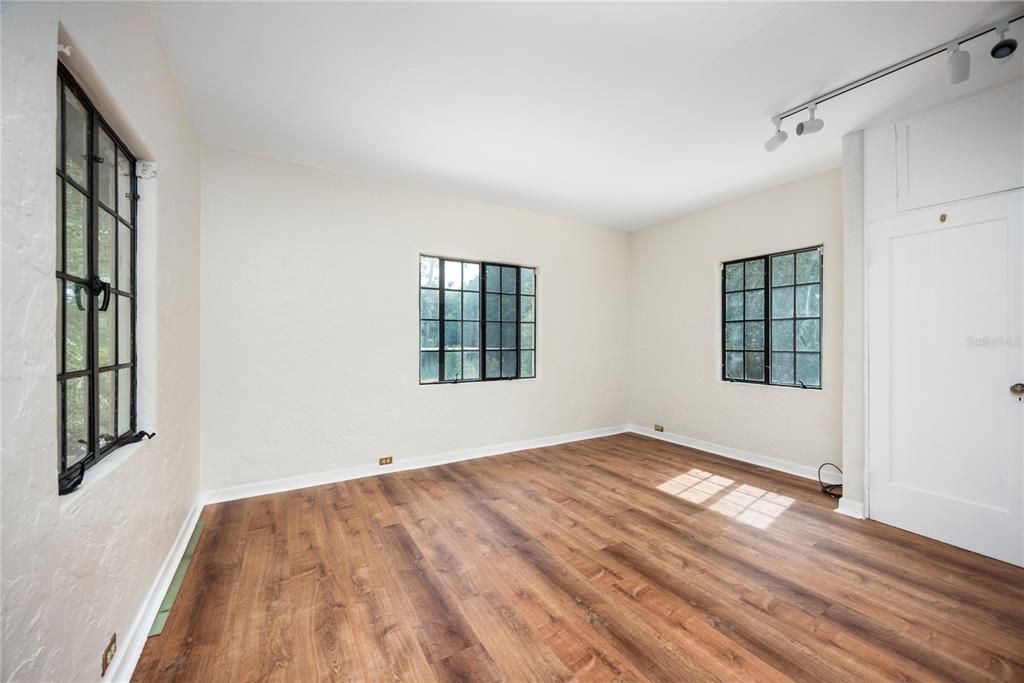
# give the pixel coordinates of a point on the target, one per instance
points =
(745, 503)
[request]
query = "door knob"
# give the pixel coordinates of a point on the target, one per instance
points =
(1017, 389)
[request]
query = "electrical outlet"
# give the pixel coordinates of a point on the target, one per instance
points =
(108, 655)
(384, 461)
(659, 428)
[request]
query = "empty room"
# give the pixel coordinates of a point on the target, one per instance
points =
(501, 341)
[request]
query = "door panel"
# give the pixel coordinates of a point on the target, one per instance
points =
(945, 329)
(967, 148)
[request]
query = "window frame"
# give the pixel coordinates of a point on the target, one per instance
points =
(481, 321)
(69, 477)
(769, 319)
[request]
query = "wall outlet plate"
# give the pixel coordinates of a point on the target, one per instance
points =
(384, 461)
(659, 428)
(108, 655)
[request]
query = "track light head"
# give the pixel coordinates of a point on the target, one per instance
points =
(958, 65)
(775, 141)
(811, 125)
(1005, 48)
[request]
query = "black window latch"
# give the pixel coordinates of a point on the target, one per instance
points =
(141, 435)
(72, 479)
(101, 287)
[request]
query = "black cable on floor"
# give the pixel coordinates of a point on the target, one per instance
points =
(830, 489)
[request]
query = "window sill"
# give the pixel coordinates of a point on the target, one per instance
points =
(478, 381)
(72, 502)
(765, 384)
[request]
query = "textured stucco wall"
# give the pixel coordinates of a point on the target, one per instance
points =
(77, 568)
(675, 314)
(309, 336)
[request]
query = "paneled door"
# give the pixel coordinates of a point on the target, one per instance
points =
(945, 328)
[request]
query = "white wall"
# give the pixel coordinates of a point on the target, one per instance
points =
(675, 319)
(310, 322)
(853, 323)
(77, 568)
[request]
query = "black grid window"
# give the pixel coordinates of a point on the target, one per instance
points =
(771, 319)
(96, 198)
(477, 321)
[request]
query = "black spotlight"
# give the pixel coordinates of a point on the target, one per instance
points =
(1005, 47)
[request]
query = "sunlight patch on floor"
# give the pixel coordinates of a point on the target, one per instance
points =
(696, 486)
(745, 503)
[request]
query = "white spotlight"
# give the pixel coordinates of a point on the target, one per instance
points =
(958, 65)
(811, 125)
(775, 141)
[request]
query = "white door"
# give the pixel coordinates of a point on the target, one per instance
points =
(945, 328)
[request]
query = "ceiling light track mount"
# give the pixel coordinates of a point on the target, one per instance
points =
(958, 65)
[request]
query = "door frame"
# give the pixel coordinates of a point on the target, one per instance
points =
(866, 378)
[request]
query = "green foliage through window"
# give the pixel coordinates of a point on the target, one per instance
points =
(771, 319)
(477, 321)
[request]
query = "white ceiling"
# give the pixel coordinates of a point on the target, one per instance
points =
(618, 114)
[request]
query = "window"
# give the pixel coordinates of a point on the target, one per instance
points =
(477, 321)
(771, 319)
(95, 285)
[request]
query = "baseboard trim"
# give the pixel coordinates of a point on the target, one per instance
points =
(851, 508)
(263, 488)
(805, 471)
(130, 648)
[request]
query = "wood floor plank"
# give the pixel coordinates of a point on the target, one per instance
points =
(263, 577)
(503, 633)
(319, 600)
(191, 637)
(387, 644)
(441, 629)
(616, 559)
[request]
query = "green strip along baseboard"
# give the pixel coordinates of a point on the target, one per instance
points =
(179, 577)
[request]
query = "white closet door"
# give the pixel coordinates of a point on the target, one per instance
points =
(945, 329)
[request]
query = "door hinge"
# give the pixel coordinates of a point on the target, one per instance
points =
(867, 258)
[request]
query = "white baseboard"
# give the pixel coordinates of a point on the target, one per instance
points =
(359, 471)
(851, 508)
(805, 471)
(130, 648)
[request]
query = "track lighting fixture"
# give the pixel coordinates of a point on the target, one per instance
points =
(811, 125)
(775, 141)
(958, 70)
(958, 64)
(1002, 50)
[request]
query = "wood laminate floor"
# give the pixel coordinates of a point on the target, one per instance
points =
(620, 558)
